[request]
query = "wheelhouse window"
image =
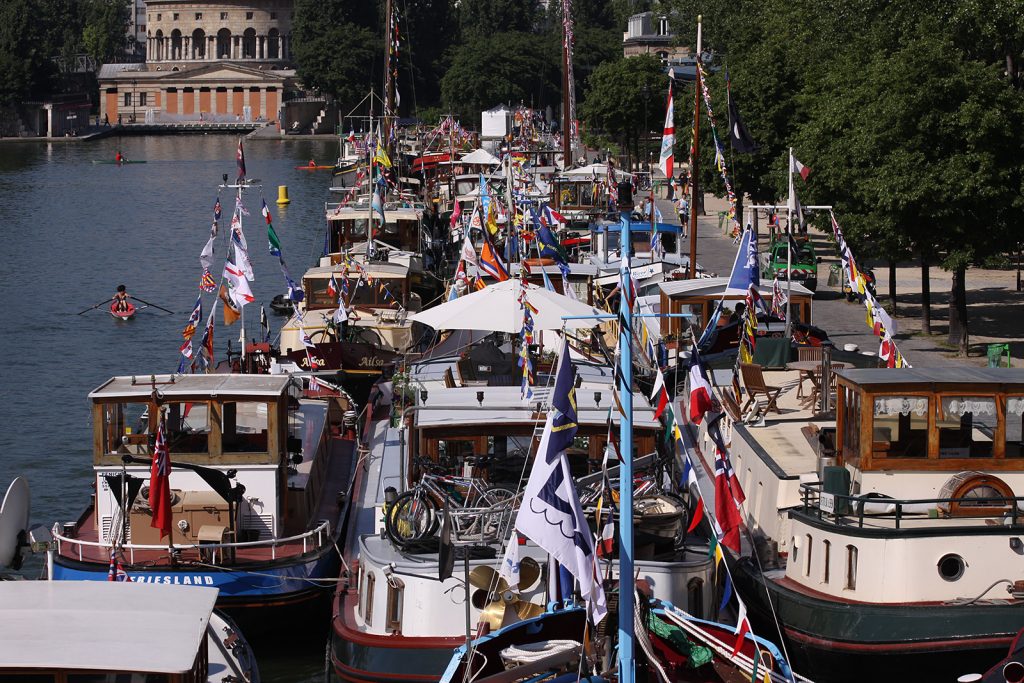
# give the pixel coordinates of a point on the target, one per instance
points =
(126, 428)
(244, 427)
(1015, 426)
(187, 427)
(967, 426)
(900, 428)
(851, 423)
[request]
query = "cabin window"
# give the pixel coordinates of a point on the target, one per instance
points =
(361, 602)
(695, 597)
(244, 427)
(188, 427)
(967, 426)
(126, 428)
(1015, 426)
(316, 291)
(851, 567)
(807, 555)
(900, 428)
(395, 595)
(382, 293)
(368, 610)
(851, 422)
(826, 558)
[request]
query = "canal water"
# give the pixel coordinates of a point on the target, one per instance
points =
(72, 232)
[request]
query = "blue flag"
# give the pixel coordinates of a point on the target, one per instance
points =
(563, 406)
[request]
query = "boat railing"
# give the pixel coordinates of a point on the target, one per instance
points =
(872, 510)
(483, 525)
(218, 554)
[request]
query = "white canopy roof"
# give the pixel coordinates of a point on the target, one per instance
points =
(479, 156)
(716, 286)
(101, 626)
(497, 308)
(587, 172)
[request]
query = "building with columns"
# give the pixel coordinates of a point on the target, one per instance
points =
(217, 61)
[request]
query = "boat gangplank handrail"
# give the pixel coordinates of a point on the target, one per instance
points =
(840, 508)
(322, 533)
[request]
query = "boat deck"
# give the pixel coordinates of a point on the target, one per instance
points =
(337, 480)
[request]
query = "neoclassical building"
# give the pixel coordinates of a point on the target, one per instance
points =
(217, 61)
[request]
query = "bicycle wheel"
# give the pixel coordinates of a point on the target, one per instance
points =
(496, 495)
(411, 517)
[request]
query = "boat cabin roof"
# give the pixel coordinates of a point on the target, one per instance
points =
(101, 626)
(192, 386)
(636, 226)
(930, 378)
(716, 287)
(375, 269)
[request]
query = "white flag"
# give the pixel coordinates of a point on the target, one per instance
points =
(468, 252)
(206, 257)
(241, 251)
(668, 140)
(238, 286)
(510, 565)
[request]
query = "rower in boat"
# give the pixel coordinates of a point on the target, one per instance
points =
(119, 158)
(121, 296)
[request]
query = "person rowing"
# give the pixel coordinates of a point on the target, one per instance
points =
(119, 158)
(312, 164)
(121, 298)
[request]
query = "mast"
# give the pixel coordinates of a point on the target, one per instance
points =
(695, 161)
(389, 86)
(790, 204)
(369, 225)
(626, 599)
(567, 85)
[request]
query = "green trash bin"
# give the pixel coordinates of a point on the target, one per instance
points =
(996, 353)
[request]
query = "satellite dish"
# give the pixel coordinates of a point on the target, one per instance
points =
(14, 515)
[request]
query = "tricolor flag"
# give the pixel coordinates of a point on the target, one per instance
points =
(351, 136)
(160, 482)
(240, 159)
(700, 388)
(799, 168)
(332, 287)
(490, 263)
(659, 394)
(206, 282)
(265, 210)
(668, 139)
(116, 571)
(274, 241)
(193, 319)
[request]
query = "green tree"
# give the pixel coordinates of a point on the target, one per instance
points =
(103, 35)
(510, 68)
(333, 48)
(625, 100)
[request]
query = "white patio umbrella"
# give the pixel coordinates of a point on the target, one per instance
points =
(497, 308)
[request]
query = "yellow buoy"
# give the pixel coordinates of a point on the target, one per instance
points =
(282, 195)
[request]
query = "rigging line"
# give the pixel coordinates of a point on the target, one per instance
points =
(412, 73)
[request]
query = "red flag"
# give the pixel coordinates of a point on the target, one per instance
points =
(726, 509)
(160, 484)
(660, 393)
(456, 214)
(240, 158)
(742, 629)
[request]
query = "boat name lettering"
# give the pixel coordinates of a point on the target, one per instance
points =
(183, 580)
(828, 503)
(371, 362)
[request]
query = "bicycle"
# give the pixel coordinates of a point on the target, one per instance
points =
(416, 513)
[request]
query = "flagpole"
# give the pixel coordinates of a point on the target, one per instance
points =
(626, 606)
(789, 241)
(694, 162)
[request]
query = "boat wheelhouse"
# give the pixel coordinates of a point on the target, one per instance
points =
(606, 241)
(85, 631)
(255, 474)
(893, 527)
(466, 416)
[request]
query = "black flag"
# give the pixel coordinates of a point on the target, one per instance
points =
(740, 137)
(446, 550)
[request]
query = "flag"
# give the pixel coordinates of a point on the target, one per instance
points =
(456, 215)
(206, 255)
(380, 157)
(216, 206)
(550, 217)
(264, 324)
(117, 572)
(332, 287)
(668, 139)
(240, 159)
(231, 312)
(490, 263)
(741, 139)
(160, 483)
(510, 563)
(446, 550)
(193, 319)
(552, 516)
(275, 242)
(206, 282)
(745, 270)
(241, 249)
(606, 537)
(468, 252)
(238, 285)
(799, 168)
(351, 136)
(377, 204)
(700, 388)
(660, 393)
(797, 209)
(547, 243)
(742, 628)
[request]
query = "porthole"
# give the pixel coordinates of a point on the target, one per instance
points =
(951, 567)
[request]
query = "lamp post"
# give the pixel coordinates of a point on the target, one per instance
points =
(133, 101)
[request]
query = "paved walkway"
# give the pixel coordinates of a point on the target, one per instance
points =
(995, 308)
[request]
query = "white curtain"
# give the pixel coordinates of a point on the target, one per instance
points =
(1015, 405)
(901, 405)
(958, 406)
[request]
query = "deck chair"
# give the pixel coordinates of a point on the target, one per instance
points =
(753, 380)
(803, 353)
(449, 379)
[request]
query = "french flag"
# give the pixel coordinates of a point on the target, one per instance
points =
(800, 169)
(742, 629)
(700, 388)
(659, 393)
(550, 217)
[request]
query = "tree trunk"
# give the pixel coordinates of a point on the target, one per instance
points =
(958, 311)
(926, 297)
(892, 287)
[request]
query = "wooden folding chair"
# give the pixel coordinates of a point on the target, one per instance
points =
(753, 380)
(803, 353)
